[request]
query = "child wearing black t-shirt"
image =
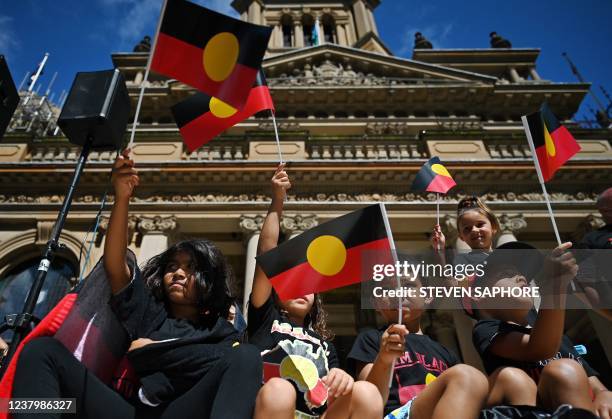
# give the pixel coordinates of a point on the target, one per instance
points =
(301, 369)
(427, 379)
(510, 333)
(184, 350)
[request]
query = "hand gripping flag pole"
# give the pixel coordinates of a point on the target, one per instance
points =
(146, 75)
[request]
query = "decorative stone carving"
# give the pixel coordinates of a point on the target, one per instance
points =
(310, 197)
(251, 224)
(296, 224)
(156, 224)
(386, 128)
(282, 126)
(43, 231)
(512, 223)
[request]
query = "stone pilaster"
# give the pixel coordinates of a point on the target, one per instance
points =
(509, 226)
(250, 225)
(156, 232)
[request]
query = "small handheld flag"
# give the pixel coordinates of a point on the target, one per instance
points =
(201, 118)
(553, 143)
(335, 254)
(209, 51)
(433, 177)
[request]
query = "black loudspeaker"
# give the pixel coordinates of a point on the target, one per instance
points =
(9, 98)
(97, 109)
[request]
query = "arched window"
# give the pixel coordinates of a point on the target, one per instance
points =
(308, 28)
(329, 29)
(287, 26)
(16, 284)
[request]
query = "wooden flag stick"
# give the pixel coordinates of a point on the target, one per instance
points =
(541, 178)
(399, 285)
(280, 155)
(146, 76)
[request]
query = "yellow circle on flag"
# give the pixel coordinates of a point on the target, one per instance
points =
(220, 56)
(549, 143)
(439, 169)
(221, 109)
(326, 255)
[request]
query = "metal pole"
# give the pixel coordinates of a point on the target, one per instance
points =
(21, 322)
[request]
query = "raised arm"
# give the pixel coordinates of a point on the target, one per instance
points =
(545, 338)
(392, 346)
(124, 180)
(270, 231)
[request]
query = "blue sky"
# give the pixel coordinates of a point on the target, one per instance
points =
(80, 35)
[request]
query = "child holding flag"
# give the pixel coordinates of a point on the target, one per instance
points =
(511, 334)
(301, 369)
(184, 350)
(427, 379)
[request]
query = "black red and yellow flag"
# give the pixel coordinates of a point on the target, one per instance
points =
(201, 117)
(332, 255)
(552, 142)
(433, 177)
(212, 52)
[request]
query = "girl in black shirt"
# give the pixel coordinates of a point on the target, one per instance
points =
(186, 353)
(301, 369)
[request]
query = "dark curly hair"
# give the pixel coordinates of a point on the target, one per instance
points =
(213, 277)
(316, 319)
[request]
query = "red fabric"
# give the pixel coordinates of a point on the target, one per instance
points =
(47, 327)
(123, 378)
(183, 61)
(207, 126)
(565, 147)
(303, 279)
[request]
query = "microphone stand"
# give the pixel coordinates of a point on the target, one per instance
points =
(20, 323)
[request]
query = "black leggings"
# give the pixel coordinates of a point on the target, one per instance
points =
(47, 369)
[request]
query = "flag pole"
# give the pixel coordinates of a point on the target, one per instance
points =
(280, 155)
(399, 285)
(438, 216)
(146, 76)
(541, 178)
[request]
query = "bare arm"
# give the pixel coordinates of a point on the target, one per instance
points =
(392, 346)
(545, 338)
(268, 239)
(124, 179)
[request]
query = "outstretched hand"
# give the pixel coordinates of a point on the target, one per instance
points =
(438, 240)
(561, 265)
(125, 177)
(280, 183)
(393, 343)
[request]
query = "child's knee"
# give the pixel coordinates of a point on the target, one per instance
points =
(39, 349)
(563, 372)
(277, 393)
(511, 377)
(367, 397)
(468, 376)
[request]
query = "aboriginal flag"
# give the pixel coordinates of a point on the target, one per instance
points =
(552, 142)
(212, 52)
(201, 117)
(335, 254)
(433, 177)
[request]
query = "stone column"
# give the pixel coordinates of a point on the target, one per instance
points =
(534, 74)
(361, 18)
(509, 225)
(298, 33)
(294, 225)
(276, 40)
(340, 31)
(251, 229)
(514, 75)
(255, 12)
(156, 233)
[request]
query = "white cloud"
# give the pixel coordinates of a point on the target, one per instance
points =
(8, 42)
(436, 33)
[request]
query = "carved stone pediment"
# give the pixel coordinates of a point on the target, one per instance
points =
(335, 65)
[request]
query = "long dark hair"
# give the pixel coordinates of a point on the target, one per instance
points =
(213, 277)
(316, 319)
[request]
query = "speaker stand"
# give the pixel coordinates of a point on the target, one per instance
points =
(20, 322)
